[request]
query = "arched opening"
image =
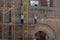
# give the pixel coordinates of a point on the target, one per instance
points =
(41, 35)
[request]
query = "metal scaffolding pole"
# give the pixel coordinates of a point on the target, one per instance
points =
(25, 13)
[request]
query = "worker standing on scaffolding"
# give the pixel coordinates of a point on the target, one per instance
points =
(35, 19)
(22, 19)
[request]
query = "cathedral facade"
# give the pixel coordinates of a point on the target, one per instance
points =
(45, 27)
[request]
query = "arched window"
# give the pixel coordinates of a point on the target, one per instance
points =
(48, 3)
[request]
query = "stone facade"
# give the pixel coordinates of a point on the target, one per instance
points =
(48, 21)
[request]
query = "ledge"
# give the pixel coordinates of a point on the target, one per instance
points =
(46, 8)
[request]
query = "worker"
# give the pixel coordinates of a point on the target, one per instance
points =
(35, 19)
(22, 19)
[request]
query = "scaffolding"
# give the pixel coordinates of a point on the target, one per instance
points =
(25, 13)
(10, 13)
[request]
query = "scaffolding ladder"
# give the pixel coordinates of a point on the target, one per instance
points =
(25, 13)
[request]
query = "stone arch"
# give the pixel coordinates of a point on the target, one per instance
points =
(45, 28)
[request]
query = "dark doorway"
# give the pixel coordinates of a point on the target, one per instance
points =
(40, 35)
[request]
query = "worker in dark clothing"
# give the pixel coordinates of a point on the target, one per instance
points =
(22, 19)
